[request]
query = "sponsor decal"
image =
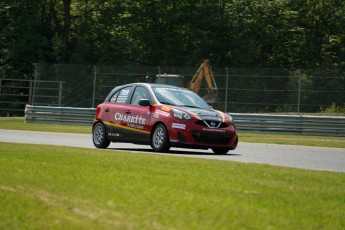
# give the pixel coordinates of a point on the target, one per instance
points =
(214, 130)
(166, 108)
(130, 119)
(160, 112)
(164, 89)
(209, 118)
(135, 126)
(114, 134)
(178, 126)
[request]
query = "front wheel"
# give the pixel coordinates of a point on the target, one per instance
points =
(234, 145)
(99, 136)
(220, 151)
(160, 139)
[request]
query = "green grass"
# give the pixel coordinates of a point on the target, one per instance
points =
(20, 124)
(44, 187)
(335, 142)
(319, 141)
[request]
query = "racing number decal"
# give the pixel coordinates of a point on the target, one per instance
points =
(122, 98)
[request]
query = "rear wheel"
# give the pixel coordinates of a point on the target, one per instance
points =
(160, 139)
(99, 136)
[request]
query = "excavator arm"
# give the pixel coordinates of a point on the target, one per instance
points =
(205, 73)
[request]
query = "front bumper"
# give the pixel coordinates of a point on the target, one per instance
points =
(194, 136)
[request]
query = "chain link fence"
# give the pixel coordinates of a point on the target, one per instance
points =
(240, 90)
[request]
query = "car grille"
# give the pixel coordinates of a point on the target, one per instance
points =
(216, 124)
(211, 137)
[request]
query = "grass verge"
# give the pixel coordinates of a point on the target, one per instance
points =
(20, 124)
(44, 187)
(317, 141)
(335, 142)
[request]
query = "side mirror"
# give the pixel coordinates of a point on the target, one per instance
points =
(145, 102)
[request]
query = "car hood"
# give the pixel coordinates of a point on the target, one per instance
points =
(204, 114)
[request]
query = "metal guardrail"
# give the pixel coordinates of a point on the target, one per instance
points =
(291, 124)
(258, 123)
(59, 115)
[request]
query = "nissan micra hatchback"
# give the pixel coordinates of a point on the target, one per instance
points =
(162, 116)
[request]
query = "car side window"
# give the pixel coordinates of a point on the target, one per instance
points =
(140, 93)
(114, 97)
(121, 96)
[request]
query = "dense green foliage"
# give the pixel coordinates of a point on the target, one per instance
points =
(233, 33)
(251, 37)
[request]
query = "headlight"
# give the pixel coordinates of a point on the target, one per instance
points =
(179, 114)
(230, 120)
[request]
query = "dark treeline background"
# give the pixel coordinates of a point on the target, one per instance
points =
(233, 33)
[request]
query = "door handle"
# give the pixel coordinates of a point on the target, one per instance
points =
(128, 111)
(107, 110)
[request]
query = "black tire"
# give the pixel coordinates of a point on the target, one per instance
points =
(234, 145)
(160, 139)
(99, 136)
(220, 151)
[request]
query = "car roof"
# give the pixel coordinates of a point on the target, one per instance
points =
(169, 75)
(150, 85)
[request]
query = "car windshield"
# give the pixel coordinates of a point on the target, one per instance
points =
(179, 97)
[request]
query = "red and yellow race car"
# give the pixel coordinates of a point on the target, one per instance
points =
(163, 116)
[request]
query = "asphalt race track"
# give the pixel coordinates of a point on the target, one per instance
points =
(315, 158)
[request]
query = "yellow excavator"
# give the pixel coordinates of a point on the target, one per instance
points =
(204, 73)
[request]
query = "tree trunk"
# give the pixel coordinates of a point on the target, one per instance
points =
(66, 29)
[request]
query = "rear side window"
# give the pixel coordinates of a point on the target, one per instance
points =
(121, 96)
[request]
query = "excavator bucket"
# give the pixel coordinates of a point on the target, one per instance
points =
(211, 98)
(204, 73)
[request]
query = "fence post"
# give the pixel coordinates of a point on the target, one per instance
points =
(60, 92)
(94, 85)
(0, 85)
(30, 91)
(35, 81)
(299, 94)
(226, 89)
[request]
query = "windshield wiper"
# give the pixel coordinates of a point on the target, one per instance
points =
(190, 106)
(166, 103)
